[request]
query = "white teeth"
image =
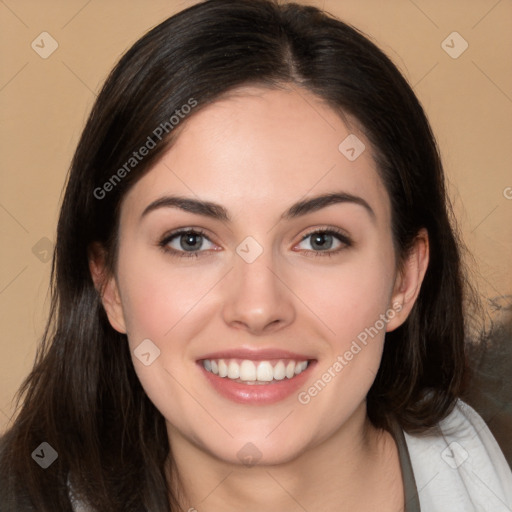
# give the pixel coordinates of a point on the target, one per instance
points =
(300, 367)
(279, 373)
(264, 372)
(223, 368)
(254, 371)
(233, 370)
(290, 370)
(247, 370)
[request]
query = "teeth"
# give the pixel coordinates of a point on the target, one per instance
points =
(247, 370)
(223, 368)
(264, 372)
(254, 371)
(279, 372)
(300, 367)
(290, 369)
(233, 370)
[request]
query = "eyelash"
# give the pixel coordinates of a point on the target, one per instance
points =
(163, 244)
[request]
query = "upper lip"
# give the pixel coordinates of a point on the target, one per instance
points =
(255, 354)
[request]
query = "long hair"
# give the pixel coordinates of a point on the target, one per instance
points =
(83, 397)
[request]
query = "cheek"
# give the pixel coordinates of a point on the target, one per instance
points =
(157, 295)
(354, 305)
(350, 298)
(161, 302)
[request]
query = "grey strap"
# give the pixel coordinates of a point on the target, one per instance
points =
(412, 502)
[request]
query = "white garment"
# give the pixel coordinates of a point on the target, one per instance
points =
(462, 469)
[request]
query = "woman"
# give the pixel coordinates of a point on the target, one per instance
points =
(258, 294)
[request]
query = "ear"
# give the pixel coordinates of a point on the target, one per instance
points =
(107, 287)
(409, 279)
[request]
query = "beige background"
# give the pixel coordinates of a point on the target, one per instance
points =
(44, 104)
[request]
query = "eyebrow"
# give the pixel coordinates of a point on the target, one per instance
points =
(218, 212)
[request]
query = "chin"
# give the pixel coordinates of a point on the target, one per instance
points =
(257, 448)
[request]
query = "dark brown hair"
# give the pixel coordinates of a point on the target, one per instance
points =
(83, 396)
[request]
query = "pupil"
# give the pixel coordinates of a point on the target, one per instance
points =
(189, 238)
(319, 240)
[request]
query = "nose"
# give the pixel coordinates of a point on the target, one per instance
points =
(257, 298)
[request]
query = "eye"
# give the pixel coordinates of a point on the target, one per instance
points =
(323, 240)
(184, 243)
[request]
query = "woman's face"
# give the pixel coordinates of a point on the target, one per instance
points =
(254, 286)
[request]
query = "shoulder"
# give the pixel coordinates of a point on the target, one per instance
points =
(460, 466)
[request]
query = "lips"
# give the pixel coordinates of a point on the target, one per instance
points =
(255, 376)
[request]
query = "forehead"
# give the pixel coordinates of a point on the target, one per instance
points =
(257, 150)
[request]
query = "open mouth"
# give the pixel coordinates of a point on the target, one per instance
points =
(256, 381)
(251, 372)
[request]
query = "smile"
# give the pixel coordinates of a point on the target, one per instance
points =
(255, 377)
(255, 372)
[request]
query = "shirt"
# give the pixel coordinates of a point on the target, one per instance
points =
(460, 468)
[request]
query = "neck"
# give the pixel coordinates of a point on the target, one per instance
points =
(334, 474)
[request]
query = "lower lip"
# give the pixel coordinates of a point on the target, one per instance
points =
(257, 393)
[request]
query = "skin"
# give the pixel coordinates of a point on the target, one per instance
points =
(256, 152)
